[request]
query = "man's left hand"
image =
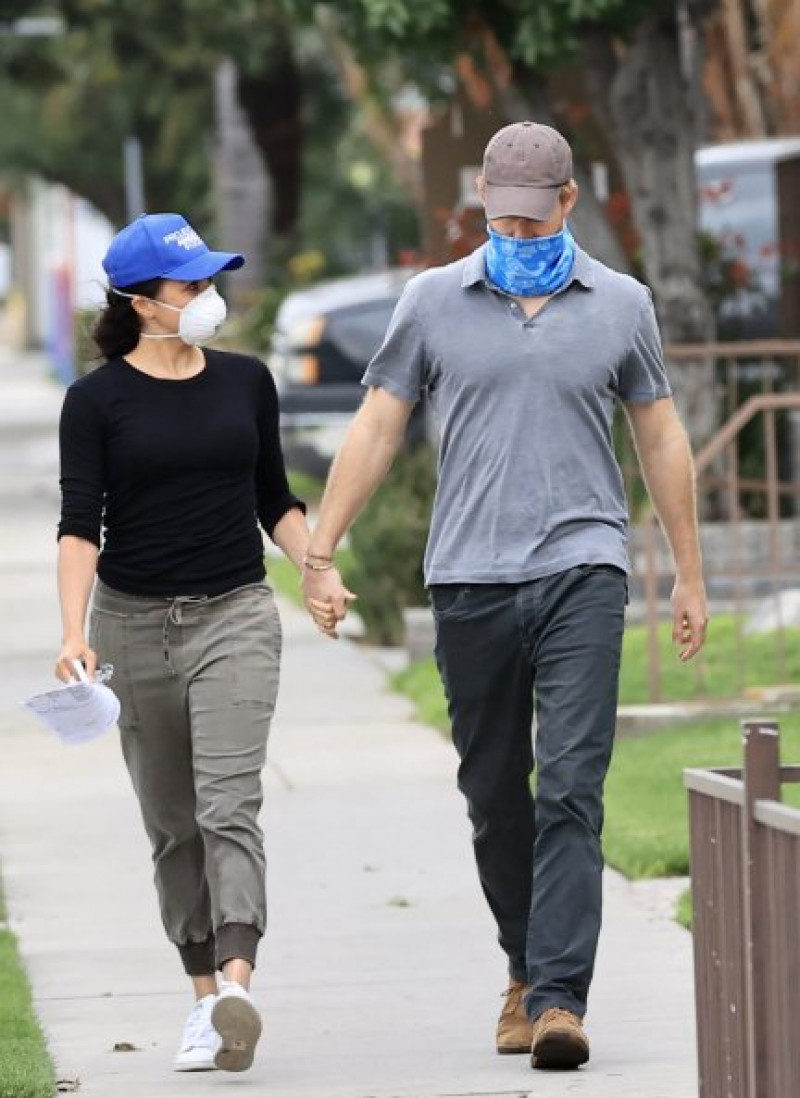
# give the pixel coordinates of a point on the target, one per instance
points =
(326, 598)
(689, 617)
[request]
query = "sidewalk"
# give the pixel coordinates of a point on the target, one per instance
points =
(379, 976)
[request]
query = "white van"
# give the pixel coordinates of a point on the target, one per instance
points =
(749, 202)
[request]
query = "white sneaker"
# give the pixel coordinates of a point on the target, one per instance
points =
(238, 1023)
(201, 1041)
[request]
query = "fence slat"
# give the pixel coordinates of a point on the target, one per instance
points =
(745, 866)
(761, 782)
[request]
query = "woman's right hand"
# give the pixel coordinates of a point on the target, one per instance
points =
(75, 648)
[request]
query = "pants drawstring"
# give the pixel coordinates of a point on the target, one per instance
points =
(174, 615)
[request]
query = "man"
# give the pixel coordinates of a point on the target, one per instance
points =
(524, 348)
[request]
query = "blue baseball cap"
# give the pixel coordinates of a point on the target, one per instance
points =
(163, 246)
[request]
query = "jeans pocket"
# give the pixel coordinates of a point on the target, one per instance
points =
(448, 598)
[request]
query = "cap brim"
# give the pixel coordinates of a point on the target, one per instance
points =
(537, 203)
(205, 266)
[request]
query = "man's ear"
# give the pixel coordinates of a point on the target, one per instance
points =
(480, 187)
(568, 196)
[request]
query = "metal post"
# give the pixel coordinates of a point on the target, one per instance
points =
(651, 604)
(242, 195)
(134, 178)
(761, 782)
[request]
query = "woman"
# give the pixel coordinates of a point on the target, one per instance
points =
(174, 451)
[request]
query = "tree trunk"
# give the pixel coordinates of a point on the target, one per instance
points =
(736, 84)
(517, 93)
(272, 101)
(526, 98)
(381, 124)
(645, 103)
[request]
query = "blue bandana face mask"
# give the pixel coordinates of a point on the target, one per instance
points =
(530, 266)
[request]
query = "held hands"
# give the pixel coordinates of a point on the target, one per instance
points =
(75, 648)
(689, 617)
(325, 596)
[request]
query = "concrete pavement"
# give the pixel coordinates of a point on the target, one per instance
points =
(379, 976)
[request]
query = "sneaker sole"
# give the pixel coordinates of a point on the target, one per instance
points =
(208, 1066)
(238, 1023)
(558, 1052)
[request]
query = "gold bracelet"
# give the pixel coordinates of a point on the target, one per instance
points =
(318, 567)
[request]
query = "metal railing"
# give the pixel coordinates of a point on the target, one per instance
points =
(748, 485)
(745, 868)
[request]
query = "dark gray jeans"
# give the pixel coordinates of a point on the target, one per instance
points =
(556, 641)
(197, 680)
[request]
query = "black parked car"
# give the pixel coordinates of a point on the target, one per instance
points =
(324, 337)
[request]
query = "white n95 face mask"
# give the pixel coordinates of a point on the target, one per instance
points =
(200, 319)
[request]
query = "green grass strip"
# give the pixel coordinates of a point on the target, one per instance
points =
(421, 683)
(26, 1070)
(646, 828)
(683, 910)
(715, 672)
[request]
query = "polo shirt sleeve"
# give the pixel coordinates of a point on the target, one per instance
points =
(399, 365)
(643, 376)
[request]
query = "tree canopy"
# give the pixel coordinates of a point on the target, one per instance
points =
(146, 68)
(537, 33)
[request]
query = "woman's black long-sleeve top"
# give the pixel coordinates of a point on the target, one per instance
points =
(176, 474)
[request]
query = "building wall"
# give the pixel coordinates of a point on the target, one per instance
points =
(57, 244)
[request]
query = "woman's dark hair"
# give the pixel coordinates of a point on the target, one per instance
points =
(117, 329)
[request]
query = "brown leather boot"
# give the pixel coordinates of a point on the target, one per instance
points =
(559, 1042)
(514, 1028)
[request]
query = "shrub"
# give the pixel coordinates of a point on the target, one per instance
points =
(388, 543)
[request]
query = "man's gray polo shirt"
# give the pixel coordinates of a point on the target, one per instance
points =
(528, 481)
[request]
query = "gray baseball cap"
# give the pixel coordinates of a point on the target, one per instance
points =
(524, 167)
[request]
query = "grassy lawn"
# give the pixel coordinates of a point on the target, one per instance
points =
(422, 684)
(25, 1067)
(305, 487)
(714, 673)
(283, 576)
(646, 830)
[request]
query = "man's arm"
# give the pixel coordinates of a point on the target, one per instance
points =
(665, 458)
(365, 457)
